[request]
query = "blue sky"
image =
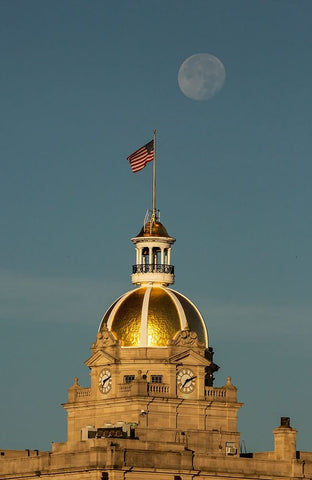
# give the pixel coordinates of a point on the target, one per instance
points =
(83, 84)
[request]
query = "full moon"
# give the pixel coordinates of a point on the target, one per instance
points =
(201, 76)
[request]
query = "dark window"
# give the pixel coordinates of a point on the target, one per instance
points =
(129, 378)
(104, 476)
(2, 454)
(177, 477)
(156, 378)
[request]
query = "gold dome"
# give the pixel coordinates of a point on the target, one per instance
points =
(153, 228)
(150, 316)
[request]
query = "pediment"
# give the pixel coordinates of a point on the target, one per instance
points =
(189, 357)
(100, 358)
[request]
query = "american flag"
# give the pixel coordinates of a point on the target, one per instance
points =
(141, 157)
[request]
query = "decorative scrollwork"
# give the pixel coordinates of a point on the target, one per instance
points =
(104, 338)
(186, 338)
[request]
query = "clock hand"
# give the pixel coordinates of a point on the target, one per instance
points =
(188, 380)
(105, 380)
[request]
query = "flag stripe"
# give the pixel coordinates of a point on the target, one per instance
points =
(141, 157)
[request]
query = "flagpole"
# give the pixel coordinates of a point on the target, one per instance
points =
(154, 178)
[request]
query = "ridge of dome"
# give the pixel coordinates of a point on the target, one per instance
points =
(151, 316)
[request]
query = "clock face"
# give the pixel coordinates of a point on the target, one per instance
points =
(105, 381)
(186, 380)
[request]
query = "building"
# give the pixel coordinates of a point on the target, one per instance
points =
(152, 411)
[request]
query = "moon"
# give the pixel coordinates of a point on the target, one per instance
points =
(201, 76)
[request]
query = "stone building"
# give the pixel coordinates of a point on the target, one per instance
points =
(152, 411)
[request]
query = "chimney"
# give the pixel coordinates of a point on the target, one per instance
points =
(285, 440)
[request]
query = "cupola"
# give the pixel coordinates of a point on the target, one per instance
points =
(153, 253)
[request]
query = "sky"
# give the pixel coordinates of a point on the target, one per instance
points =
(83, 84)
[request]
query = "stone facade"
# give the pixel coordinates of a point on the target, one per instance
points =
(152, 412)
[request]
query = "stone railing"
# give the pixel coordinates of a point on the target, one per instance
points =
(125, 388)
(217, 394)
(222, 394)
(158, 389)
(83, 393)
(134, 388)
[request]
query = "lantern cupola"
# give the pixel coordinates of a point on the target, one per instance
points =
(153, 253)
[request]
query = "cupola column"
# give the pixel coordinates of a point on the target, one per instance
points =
(153, 254)
(162, 256)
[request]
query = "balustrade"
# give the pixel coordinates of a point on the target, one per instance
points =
(158, 388)
(153, 268)
(215, 393)
(125, 387)
(84, 392)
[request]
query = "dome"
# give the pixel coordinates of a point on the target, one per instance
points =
(151, 316)
(153, 228)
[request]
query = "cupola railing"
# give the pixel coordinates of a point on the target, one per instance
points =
(153, 268)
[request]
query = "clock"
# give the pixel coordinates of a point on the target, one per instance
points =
(186, 380)
(105, 381)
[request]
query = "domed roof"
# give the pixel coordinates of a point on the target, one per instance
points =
(153, 228)
(150, 316)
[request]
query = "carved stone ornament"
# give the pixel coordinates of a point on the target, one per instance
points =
(104, 338)
(186, 338)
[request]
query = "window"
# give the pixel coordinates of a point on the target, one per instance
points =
(156, 378)
(230, 448)
(129, 378)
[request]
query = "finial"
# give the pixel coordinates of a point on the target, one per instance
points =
(154, 174)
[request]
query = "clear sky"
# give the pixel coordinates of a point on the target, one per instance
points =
(83, 84)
